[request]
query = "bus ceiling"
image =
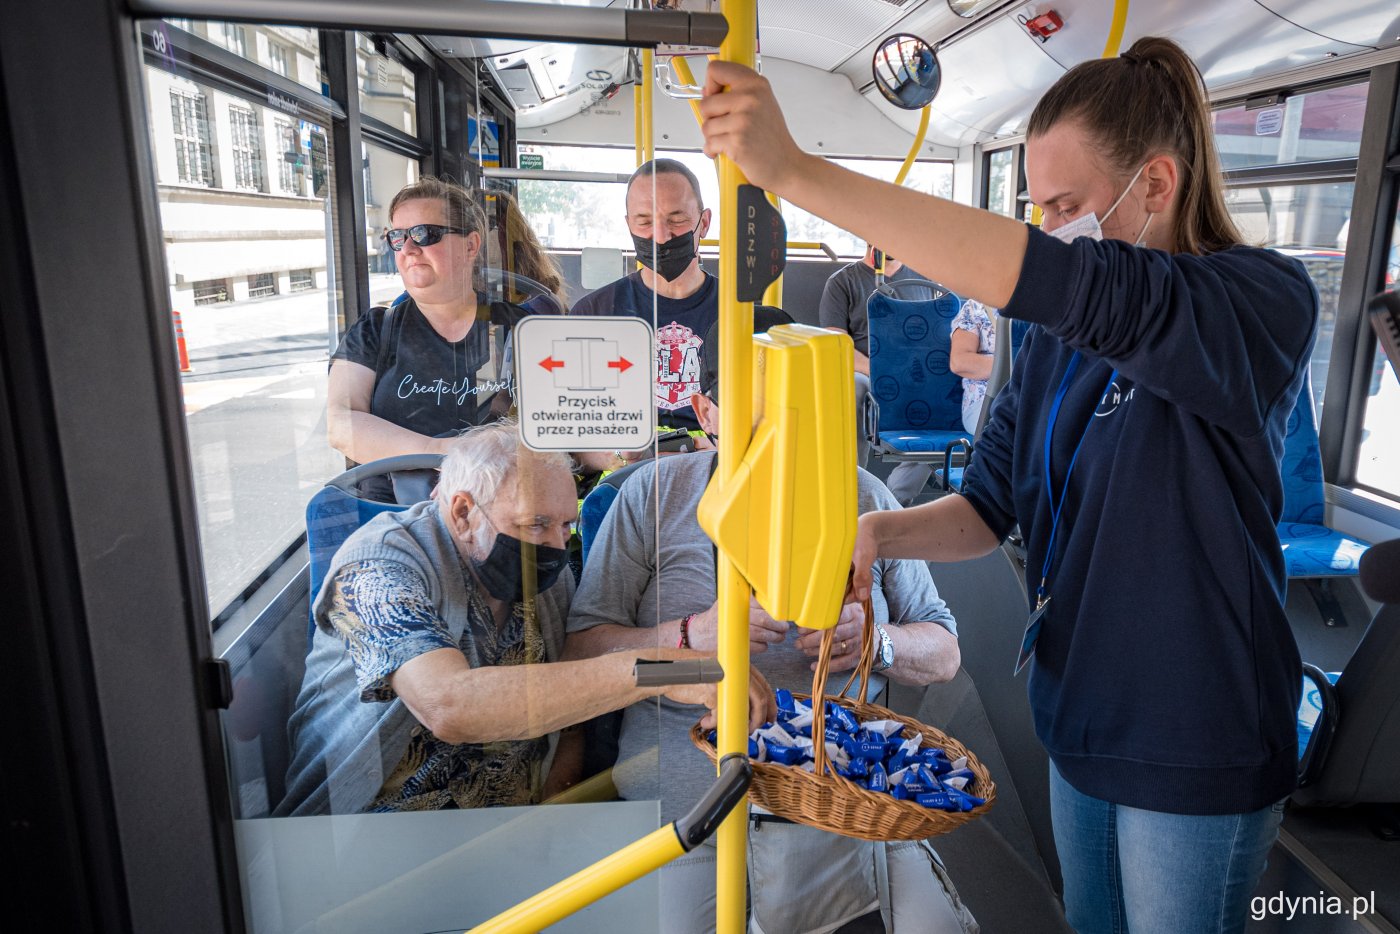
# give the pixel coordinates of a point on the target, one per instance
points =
(995, 63)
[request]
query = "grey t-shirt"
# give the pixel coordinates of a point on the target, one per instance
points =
(846, 292)
(627, 583)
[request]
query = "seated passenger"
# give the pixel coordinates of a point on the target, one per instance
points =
(407, 378)
(974, 340)
(631, 596)
(425, 685)
(517, 249)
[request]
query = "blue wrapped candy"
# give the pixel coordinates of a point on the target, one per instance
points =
(786, 703)
(879, 780)
(938, 801)
(857, 748)
(841, 718)
(786, 755)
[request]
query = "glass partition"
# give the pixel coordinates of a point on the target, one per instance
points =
(395, 639)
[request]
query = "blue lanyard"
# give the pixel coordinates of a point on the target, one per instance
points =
(1057, 505)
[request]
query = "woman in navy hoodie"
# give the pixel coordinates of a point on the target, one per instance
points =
(1137, 447)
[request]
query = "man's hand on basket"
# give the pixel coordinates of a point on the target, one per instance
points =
(763, 705)
(845, 642)
(764, 630)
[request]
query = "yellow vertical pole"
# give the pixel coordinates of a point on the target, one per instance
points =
(637, 123)
(735, 431)
(646, 139)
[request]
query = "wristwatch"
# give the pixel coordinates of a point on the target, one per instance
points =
(886, 656)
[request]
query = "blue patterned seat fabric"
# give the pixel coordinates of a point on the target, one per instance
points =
(919, 397)
(1310, 548)
(1309, 709)
(332, 516)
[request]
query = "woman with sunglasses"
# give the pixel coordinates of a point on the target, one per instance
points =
(1137, 446)
(406, 379)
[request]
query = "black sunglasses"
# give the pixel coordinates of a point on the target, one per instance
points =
(422, 234)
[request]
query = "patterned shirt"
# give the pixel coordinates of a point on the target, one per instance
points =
(383, 613)
(977, 318)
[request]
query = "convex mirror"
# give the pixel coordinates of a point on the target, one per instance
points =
(906, 71)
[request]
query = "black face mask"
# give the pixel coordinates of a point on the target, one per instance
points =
(671, 258)
(502, 572)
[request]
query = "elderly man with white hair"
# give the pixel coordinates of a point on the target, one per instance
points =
(433, 678)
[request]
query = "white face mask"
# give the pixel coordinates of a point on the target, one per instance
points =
(1089, 224)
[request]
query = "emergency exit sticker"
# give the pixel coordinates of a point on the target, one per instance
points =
(584, 383)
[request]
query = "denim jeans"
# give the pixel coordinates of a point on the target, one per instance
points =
(1126, 869)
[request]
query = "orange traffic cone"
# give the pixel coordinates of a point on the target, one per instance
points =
(180, 347)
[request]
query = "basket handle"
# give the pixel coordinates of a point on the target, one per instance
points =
(859, 675)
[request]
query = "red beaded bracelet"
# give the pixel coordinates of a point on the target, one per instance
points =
(685, 632)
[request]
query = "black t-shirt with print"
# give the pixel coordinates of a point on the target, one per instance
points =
(681, 326)
(430, 385)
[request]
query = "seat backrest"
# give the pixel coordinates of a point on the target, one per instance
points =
(596, 504)
(1302, 463)
(909, 375)
(337, 510)
(1363, 761)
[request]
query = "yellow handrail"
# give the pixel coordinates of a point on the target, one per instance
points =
(791, 245)
(735, 431)
(682, 69)
(914, 150)
(1115, 29)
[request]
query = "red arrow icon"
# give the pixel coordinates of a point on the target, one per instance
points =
(621, 364)
(550, 364)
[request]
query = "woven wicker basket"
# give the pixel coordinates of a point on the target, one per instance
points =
(827, 801)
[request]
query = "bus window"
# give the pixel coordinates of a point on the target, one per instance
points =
(1002, 181)
(291, 51)
(246, 224)
(387, 86)
(1311, 127)
(569, 215)
(1378, 465)
(1307, 222)
(385, 173)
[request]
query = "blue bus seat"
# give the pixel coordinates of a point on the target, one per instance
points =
(338, 509)
(915, 411)
(596, 504)
(1310, 548)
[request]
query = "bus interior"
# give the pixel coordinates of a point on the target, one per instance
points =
(177, 281)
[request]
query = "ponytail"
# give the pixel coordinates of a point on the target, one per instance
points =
(1148, 101)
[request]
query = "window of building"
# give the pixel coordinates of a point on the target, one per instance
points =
(1378, 462)
(299, 280)
(211, 291)
(386, 173)
(286, 157)
(1312, 127)
(247, 147)
(262, 285)
(1307, 222)
(234, 38)
(388, 90)
(189, 114)
(280, 57)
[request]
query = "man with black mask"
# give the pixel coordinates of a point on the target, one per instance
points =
(433, 678)
(666, 226)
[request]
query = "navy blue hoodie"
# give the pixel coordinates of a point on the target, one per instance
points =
(1165, 676)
